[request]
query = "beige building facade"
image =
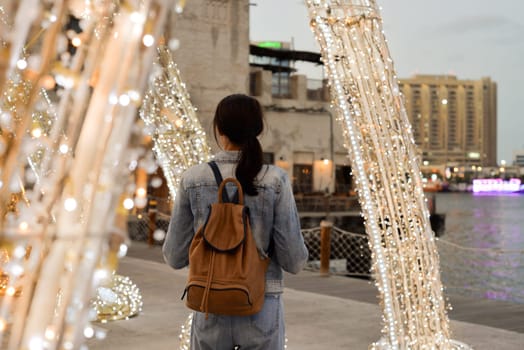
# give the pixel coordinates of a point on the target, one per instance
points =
(213, 53)
(213, 58)
(454, 121)
(302, 135)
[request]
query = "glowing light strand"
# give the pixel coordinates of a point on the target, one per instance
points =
(70, 212)
(179, 139)
(378, 137)
(120, 299)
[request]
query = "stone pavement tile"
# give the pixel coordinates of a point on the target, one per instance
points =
(323, 322)
(313, 321)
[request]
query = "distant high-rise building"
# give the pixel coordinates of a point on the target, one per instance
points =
(454, 121)
(518, 158)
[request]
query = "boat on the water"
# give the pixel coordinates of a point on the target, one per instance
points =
(513, 185)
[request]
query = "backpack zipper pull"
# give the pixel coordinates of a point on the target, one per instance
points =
(184, 294)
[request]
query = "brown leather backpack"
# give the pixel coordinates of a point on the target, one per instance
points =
(227, 276)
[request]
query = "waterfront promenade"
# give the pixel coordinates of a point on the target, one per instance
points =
(321, 312)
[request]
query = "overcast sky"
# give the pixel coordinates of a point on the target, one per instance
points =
(467, 38)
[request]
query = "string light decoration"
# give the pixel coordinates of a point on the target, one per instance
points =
(378, 136)
(54, 244)
(185, 334)
(120, 299)
(179, 139)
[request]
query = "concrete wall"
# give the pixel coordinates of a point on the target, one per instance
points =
(213, 56)
(304, 137)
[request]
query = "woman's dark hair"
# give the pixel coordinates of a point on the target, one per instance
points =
(240, 118)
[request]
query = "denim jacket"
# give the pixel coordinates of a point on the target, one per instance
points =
(273, 216)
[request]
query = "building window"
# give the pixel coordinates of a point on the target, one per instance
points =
(302, 178)
(280, 84)
(253, 84)
(343, 179)
(268, 158)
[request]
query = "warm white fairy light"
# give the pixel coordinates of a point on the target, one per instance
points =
(140, 202)
(23, 226)
(185, 334)
(141, 192)
(122, 250)
(76, 41)
(137, 17)
(124, 100)
(36, 343)
(378, 137)
(19, 252)
(159, 235)
(128, 203)
(148, 40)
(36, 132)
(134, 95)
(21, 64)
(113, 99)
(10, 291)
(119, 299)
(179, 140)
(89, 332)
(63, 148)
(50, 333)
(70, 204)
(15, 269)
(100, 334)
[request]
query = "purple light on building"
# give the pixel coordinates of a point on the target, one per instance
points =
(496, 185)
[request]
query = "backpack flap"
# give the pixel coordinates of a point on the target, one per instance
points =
(226, 227)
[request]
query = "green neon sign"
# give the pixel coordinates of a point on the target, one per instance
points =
(271, 44)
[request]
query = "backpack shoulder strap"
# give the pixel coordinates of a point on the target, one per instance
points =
(219, 179)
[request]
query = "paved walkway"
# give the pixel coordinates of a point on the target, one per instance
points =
(314, 321)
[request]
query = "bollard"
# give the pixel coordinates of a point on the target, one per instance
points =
(325, 246)
(152, 222)
(431, 205)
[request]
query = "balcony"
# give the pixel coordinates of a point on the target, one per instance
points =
(270, 86)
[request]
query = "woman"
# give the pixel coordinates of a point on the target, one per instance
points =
(274, 222)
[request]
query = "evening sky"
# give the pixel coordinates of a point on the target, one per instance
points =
(467, 38)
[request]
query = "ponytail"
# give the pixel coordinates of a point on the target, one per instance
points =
(249, 165)
(240, 118)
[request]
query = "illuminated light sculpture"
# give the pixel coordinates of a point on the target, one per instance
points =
(119, 299)
(378, 136)
(57, 242)
(179, 139)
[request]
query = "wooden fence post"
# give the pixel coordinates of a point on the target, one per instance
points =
(325, 246)
(152, 221)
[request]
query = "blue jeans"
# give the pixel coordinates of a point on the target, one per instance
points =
(262, 331)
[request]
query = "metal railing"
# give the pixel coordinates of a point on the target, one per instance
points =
(349, 252)
(326, 203)
(481, 272)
